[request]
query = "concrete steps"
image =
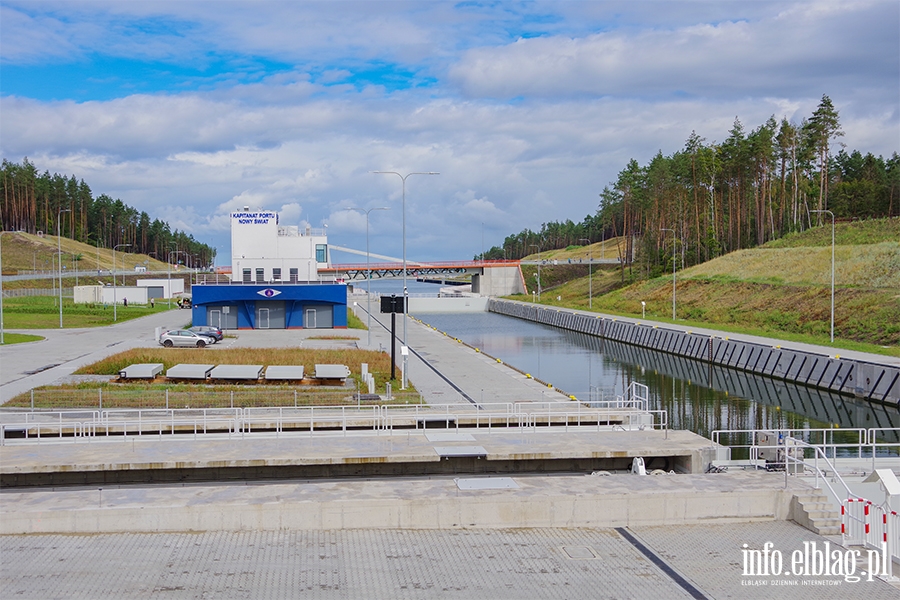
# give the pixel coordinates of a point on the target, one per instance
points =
(813, 510)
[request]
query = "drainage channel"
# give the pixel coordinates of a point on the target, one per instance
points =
(665, 567)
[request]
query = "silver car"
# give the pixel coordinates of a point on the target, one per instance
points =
(182, 337)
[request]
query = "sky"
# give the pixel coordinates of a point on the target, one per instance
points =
(189, 110)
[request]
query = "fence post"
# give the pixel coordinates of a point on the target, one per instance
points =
(32, 400)
(101, 398)
(167, 398)
(295, 398)
(232, 398)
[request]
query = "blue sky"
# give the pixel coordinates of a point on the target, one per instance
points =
(527, 109)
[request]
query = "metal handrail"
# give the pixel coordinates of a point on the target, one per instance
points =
(137, 422)
(861, 434)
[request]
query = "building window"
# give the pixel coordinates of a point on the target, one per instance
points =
(260, 276)
(247, 276)
(294, 275)
(321, 253)
(276, 274)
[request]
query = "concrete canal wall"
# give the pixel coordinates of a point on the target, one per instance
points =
(871, 381)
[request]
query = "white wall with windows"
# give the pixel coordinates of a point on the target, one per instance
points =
(264, 251)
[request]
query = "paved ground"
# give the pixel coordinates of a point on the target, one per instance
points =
(66, 350)
(515, 564)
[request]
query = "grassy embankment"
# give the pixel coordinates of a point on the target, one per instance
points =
(27, 252)
(780, 290)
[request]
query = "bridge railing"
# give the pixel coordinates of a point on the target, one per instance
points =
(416, 266)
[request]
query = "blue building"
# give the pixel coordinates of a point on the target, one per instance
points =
(270, 306)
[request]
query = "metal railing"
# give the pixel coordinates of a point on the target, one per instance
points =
(872, 526)
(264, 396)
(863, 522)
(865, 443)
(79, 425)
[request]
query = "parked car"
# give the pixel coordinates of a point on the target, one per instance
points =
(183, 337)
(208, 330)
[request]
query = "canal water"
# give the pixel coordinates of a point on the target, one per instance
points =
(696, 396)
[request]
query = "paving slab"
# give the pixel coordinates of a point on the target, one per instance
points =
(590, 563)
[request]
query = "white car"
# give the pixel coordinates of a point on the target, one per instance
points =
(183, 337)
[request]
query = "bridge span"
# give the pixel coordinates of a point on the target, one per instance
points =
(383, 270)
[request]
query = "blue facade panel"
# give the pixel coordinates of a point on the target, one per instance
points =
(243, 299)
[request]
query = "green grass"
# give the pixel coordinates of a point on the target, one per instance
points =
(867, 320)
(42, 312)
(873, 265)
(872, 231)
(354, 322)
(27, 252)
(198, 395)
(781, 290)
(19, 338)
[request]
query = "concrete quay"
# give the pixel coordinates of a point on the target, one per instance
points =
(444, 502)
(117, 460)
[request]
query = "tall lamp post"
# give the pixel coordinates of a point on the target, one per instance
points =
(539, 269)
(59, 251)
(590, 274)
(115, 312)
(674, 238)
(832, 268)
(169, 264)
(405, 290)
(2, 341)
(368, 274)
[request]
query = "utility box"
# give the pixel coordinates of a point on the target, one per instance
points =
(393, 304)
(773, 447)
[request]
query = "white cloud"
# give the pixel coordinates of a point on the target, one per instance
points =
(602, 83)
(775, 55)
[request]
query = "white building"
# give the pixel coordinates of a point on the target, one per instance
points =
(162, 288)
(107, 294)
(263, 251)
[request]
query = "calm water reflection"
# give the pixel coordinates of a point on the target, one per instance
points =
(698, 397)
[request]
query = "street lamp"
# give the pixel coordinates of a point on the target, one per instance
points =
(169, 265)
(115, 312)
(1, 292)
(368, 274)
(832, 268)
(673, 270)
(539, 269)
(405, 291)
(59, 250)
(590, 274)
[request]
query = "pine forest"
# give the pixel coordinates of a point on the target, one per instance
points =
(33, 202)
(718, 197)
